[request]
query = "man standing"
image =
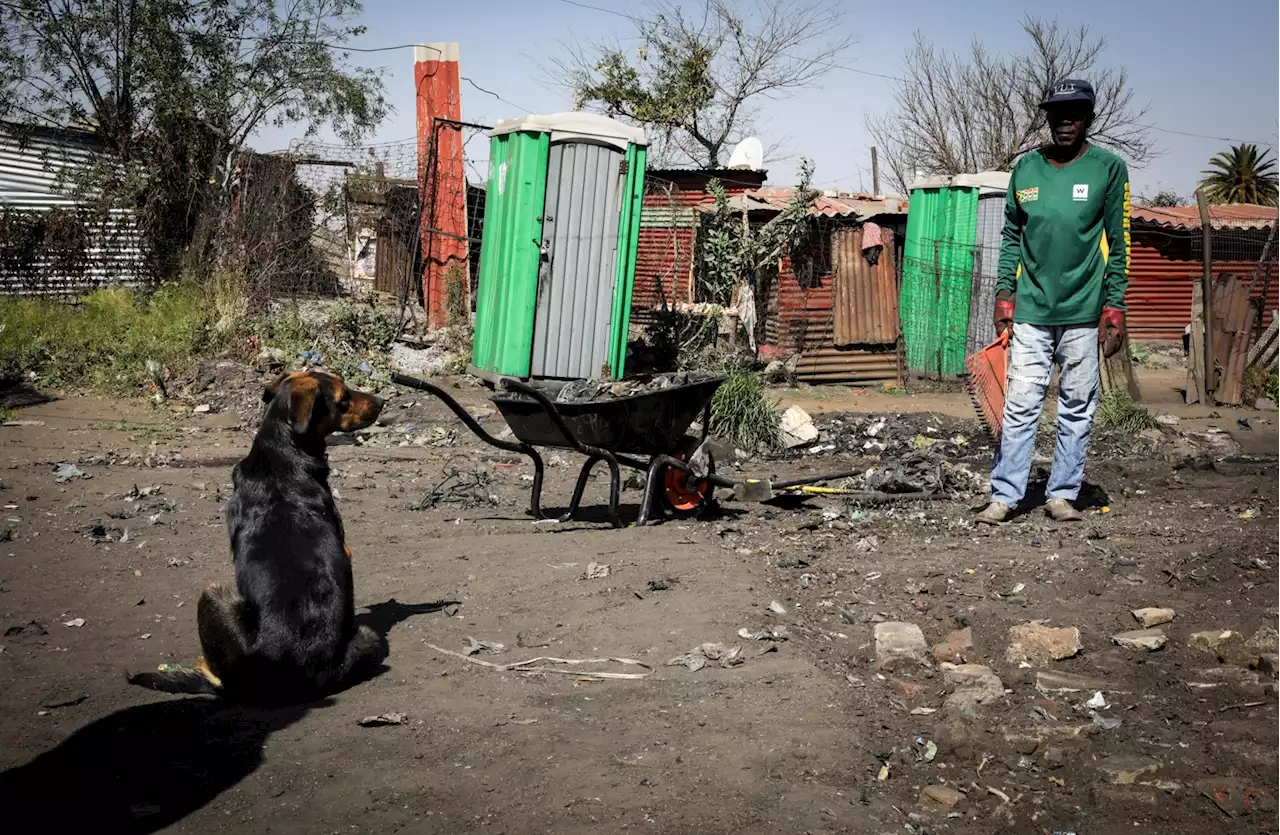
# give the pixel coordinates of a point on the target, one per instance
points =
(1067, 300)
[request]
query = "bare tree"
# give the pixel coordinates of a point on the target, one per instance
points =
(979, 111)
(701, 71)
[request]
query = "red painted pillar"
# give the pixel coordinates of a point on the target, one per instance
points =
(442, 181)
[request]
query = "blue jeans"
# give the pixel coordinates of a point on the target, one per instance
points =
(1033, 352)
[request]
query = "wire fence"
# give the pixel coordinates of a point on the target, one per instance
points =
(948, 286)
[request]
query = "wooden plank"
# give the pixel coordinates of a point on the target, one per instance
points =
(1232, 323)
(1195, 356)
(1268, 337)
(1206, 288)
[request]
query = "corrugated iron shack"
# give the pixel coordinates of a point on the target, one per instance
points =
(835, 304)
(1166, 260)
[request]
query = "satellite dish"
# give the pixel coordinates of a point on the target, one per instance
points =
(749, 155)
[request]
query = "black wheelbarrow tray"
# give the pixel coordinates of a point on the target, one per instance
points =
(645, 431)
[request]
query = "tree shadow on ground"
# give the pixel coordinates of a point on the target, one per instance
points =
(144, 768)
(17, 393)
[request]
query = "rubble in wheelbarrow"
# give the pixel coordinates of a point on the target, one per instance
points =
(586, 391)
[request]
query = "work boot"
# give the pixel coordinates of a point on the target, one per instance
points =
(994, 514)
(1061, 510)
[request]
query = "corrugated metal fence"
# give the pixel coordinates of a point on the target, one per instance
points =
(36, 170)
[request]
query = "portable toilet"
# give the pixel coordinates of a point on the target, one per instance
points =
(558, 256)
(992, 186)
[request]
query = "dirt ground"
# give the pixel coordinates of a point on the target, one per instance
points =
(99, 575)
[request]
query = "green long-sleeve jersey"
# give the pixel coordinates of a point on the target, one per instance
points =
(1054, 223)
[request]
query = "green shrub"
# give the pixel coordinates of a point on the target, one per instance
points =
(742, 412)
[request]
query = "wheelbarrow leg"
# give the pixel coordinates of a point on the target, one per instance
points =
(578, 488)
(535, 497)
(648, 502)
(615, 489)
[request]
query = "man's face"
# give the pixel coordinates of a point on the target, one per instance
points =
(1067, 122)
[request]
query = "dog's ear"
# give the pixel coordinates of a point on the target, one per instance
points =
(303, 392)
(273, 388)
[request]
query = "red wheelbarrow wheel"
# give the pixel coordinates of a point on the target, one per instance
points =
(684, 495)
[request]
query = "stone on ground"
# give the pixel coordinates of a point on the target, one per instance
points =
(1147, 639)
(1210, 639)
(973, 685)
(1152, 616)
(797, 428)
(1036, 645)
(900, 642)
(955, 648)
(1126, 769)
(940, 798)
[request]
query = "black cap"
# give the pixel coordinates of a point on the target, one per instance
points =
(1072, 89)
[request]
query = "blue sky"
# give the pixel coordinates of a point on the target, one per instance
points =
(1232, 92)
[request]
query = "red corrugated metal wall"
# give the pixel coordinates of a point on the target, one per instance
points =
(802, 316)
(1161, 273)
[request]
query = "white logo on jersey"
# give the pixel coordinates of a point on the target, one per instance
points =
(1080, 191)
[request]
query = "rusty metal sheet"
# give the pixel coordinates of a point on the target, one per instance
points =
(866, 296)
(1232, 322)
(1161, 274)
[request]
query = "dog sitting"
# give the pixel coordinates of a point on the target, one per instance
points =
(286, 633)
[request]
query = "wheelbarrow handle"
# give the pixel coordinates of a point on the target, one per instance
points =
(535, 503)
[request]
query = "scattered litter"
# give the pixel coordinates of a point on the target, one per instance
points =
(484, 646)
(697, 658)
(531, 665)
(866, 545)
(830, 515)
(776, 633)
(202, 409)
(797, 428)
(382, 719)
(777, 608)
(923, 711)
(596, 571)
(65, 472)
(1106, 723)
(1097, 702)
(74, 622)
(930, 751)
(1168, 420)
(884, 772)
(18, 423)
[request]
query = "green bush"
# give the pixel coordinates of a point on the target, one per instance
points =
(1118, 411)
(742, 412)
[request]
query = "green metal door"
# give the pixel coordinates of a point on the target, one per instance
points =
(510, 254)
(937, 278)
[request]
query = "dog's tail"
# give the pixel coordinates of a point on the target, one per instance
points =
(174, 678)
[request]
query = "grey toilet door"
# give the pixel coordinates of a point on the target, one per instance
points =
(580, 245)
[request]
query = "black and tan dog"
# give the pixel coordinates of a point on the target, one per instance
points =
(286, 632)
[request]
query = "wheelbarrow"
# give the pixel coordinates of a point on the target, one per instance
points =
(644, 431)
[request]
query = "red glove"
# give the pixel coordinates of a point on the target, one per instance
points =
(1004, 311)
(1110, 330)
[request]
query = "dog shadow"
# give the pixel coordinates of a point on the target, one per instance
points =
(143, 768)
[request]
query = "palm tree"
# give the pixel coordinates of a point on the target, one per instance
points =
(1241, 175)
